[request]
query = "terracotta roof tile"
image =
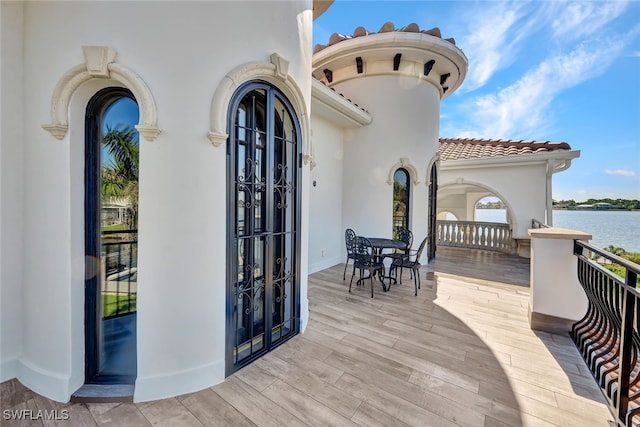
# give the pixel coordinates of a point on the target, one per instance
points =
(386, 28)
(466, 148)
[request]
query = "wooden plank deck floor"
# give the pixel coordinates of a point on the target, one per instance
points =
(459, 354)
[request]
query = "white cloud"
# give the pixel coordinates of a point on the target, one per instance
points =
(500, 31)
(491, 44)
(579, 19)
(522, 107)
(621, 172)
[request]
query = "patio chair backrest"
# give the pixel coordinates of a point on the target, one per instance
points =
(420, 249)
(405, 235)
(350, 240)
(363, 250)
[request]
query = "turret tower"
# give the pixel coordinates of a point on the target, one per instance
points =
(399, 76)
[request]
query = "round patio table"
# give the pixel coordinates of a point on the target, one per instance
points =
(381, 243)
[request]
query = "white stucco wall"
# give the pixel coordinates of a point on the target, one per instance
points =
(11, 188)
(555, 288)
(522, 187)
(406, 116)
(181, 299)
(326, 234)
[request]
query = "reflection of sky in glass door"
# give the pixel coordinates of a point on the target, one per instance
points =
(400, 177)
(117, 352)
(122, 113)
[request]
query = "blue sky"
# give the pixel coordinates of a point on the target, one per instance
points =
(544, 70)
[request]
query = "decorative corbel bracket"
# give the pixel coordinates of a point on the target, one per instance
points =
(217, 138)
(59, 131)
(97, 60)
(309, 160)
(150, 133)
(282, 66)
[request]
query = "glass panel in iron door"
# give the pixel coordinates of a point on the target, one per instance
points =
(284, 184)
(250, 302)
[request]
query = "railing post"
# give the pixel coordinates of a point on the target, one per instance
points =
(626, 346)
(626, 343)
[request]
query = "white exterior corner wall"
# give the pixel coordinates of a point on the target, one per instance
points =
(556, 292)
(326, 234)
(182, 232)
(406, 118)
(404, 104)
(11, 187)
(525, 192)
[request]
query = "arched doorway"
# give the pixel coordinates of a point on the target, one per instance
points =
(111, 221)
(263, 233)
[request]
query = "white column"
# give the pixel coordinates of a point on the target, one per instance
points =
(557, 299)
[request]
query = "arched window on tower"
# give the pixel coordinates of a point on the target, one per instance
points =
(401, 190)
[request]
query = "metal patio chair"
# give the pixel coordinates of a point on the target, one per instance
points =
(365, 259)
(350, 243)
(406, 236)
(412, 263)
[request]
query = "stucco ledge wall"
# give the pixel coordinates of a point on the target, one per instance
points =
(556, 299)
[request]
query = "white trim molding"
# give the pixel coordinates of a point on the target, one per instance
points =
(435, 160)
(405, 164)
(274, 72)
(328, 103)
(100, 63)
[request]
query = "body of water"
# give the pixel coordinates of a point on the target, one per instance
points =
(617, 228)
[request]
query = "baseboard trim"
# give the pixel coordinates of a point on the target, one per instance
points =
(548, 323)
(47, 383)
(176, 383)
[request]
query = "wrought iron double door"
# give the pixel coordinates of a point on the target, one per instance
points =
(263, 235)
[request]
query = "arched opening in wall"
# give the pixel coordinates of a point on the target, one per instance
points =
(482, 217)
(111, 222)
(490, 209)
(446, 216)
(263, 232)
(401, 200)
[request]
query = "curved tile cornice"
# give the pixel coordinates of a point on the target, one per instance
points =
(418, 55)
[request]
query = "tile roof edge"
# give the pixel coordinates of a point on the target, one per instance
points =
(387, 27)
(548, 145)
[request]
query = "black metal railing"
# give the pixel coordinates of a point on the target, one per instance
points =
(120, 266)
(492, 236)
(608, 335)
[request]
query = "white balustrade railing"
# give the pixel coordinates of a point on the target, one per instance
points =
(492, 236)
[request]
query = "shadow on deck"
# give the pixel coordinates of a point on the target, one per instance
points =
(461, 353)
(481, 265)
